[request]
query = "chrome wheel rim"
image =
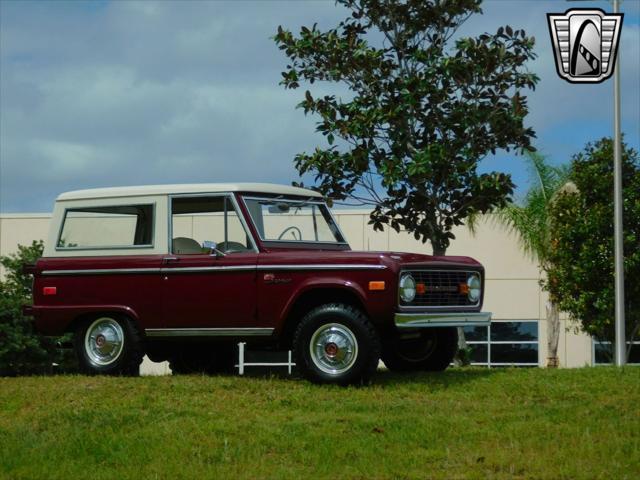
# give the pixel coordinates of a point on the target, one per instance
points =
(104, 341)
(333, 348)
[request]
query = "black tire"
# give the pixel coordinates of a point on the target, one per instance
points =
(203, 359)
(431, 349)
(343, 327)
(111, 360)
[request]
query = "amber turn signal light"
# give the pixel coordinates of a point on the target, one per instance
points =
(463, 288)
(376, 285)
(421, 288)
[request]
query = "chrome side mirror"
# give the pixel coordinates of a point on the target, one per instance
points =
(213, 249)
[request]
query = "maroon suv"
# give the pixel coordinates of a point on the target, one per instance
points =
(184, 272)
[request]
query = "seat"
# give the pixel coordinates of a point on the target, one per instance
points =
(185, 246)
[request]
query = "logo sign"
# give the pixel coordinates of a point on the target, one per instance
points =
(585, 44)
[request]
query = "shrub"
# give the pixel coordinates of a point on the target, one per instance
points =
(22, 350)
(582, 245)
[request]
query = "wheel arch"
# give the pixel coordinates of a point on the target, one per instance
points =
(312, 297)
(81, 316)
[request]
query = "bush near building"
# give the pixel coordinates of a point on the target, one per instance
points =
(22, 350)
(581, 275)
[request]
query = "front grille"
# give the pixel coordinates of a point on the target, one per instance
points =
(442, 289)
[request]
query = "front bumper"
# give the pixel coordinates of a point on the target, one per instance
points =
(427, 320)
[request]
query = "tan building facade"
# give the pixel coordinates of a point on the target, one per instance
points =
(513, 293)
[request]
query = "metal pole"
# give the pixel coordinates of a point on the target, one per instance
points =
(241, 358)
(620, 347)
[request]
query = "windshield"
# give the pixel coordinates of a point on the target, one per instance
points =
(282, 220)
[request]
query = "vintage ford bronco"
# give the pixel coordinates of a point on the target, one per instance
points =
(184, 272)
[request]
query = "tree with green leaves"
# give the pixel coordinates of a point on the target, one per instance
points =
(425, 106)
(22, 350)
(529, 220)
(582, 273)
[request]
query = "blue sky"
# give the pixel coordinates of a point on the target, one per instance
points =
(112, 93)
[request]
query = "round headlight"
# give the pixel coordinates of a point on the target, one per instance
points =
(473, 282)
(407, 288)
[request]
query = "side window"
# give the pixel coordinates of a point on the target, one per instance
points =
(197, 221)
(121, 226)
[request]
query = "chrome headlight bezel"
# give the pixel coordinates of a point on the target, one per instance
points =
(474, 285)
(407, 288)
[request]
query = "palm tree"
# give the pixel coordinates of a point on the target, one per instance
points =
(529, 220)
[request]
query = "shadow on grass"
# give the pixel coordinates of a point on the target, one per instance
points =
(450, 377)
(437, 380)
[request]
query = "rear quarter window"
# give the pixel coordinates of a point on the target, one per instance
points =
(120, 226)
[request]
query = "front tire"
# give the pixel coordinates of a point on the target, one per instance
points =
(431, 349)
(108, 345)
(336, 343)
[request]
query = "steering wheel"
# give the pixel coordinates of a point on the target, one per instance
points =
(231, 246)
(295, 229)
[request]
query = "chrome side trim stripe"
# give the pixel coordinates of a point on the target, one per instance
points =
(423, 320)
(229, 268)
(102, 271)
(208, 332)
(328, 266)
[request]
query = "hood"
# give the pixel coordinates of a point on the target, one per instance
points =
(421, 259)
(394, 260)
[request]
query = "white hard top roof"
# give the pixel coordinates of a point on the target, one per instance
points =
(149, 190)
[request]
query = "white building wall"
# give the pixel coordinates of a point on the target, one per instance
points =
(513, 289)
(21, 229)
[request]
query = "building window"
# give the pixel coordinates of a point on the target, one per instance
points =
(504, 343)
(603, 353)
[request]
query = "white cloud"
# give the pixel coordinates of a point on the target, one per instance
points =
(68, 158)
(157, 92)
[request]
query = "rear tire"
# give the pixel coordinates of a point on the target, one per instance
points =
(431, 350)
(108, 345)
(336, 343)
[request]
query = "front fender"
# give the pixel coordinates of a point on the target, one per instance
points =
(325, 283)
(376, 304)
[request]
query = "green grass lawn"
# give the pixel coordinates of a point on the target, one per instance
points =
(463, 423)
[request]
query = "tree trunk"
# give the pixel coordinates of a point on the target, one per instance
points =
(553, 335)
(462, 344)
(438, 251)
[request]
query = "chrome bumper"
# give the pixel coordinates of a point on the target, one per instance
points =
(425, 320)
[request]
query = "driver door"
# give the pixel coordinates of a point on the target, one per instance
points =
(204, 289)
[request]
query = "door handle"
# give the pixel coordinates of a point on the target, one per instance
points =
(170, 259)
